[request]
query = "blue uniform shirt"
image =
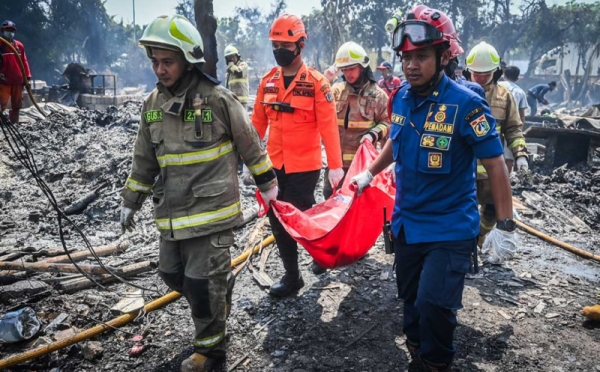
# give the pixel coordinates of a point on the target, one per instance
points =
(473, 86)
(539, 91)
(436, 140)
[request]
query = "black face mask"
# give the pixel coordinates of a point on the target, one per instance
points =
(228, 59)
(284, 57)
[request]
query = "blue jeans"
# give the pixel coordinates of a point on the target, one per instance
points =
(532, 102)
(431, 278)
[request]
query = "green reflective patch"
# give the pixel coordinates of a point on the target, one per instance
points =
(153, 116)
(178, 34)
(354, 55)
(207, 116)
(189, 115)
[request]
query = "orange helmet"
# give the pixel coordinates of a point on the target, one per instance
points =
(423, 27)
(455, 48)
(287, 28)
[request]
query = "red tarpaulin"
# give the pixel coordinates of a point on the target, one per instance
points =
(342, 229)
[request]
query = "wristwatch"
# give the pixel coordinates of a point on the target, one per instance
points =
(508, 225)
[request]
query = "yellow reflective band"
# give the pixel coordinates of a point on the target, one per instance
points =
(383, 128)
(498, 128)
(178, 34)
(136, 186)
(348, 157)
(517, 143)
(209, 341)
(487, 227)
(261, 168)
(243, 98)
(199, 219)
(238, 81)
(352, 124)
(195, 157)
(481, 169)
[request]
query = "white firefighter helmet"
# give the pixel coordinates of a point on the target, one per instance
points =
(174, 33)
(230, 50)
(351, 54)
(483, 58)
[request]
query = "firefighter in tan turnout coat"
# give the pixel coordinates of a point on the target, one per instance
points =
(186, 154)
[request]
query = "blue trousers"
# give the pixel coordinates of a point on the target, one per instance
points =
(431, 278)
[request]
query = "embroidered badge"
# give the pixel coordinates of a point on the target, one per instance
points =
(480, 126)
(153, 116)
(441, 118)
(398, 119)
(329, 97)
(435, 160)
(189, 115)
(304, 92)
(271, 90)
(206, 115)
(473, 113)
(436, 142)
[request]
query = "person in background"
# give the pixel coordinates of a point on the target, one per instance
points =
(537, 94)
(11, 76)
(388, 81)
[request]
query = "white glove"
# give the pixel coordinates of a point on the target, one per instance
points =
(368, 137)
(127, 222)
(502, 245)
(330, 73)
(335, 176)
(270, 195)
(247, 177)
(362, 180)
(522, 164)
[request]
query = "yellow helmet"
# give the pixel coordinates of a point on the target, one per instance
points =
(174, 33)
(351, 54)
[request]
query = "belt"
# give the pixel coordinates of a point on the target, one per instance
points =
(279, 106)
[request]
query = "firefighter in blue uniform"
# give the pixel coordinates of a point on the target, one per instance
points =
(438, 130)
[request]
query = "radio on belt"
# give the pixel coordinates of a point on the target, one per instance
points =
(279, 106)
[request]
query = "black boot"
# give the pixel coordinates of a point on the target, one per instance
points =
(291, 281)
(317, 269)
(289, 284)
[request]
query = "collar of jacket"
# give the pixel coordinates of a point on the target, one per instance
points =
(176, 99)
(490, 86)
(359, 91)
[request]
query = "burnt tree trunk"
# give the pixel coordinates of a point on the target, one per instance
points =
(207, 25)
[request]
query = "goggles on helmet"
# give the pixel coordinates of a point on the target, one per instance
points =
(418, 32)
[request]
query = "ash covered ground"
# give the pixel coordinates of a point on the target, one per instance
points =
(521, 316)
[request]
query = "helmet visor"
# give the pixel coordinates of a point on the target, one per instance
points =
(418, 32)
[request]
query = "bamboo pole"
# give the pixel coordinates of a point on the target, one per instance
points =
(117, 322)
(55, 267)
(558, 243)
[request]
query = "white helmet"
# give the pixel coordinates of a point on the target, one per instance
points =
(351, 54)
(230, 50)
(174, 33)
(483, 58)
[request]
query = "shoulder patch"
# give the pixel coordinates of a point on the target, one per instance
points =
(473, 113)
(480, 126)
(329, 97)
(270, 72)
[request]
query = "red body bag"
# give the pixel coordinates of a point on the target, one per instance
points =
(343, 228)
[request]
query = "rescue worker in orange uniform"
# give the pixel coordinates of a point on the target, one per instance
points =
(11, 76)
(295, 103)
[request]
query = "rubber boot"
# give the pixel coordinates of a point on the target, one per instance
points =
(197, 363)
(291, 281)
(415, 364)
(13, 116)
(317, 269)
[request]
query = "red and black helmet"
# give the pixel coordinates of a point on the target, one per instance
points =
(9, 25)
(423, 27)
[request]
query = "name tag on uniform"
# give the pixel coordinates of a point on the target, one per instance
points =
(153, 116)
(398, 119)
(189, 115)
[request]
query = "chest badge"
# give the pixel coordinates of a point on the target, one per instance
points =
(435, 160)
